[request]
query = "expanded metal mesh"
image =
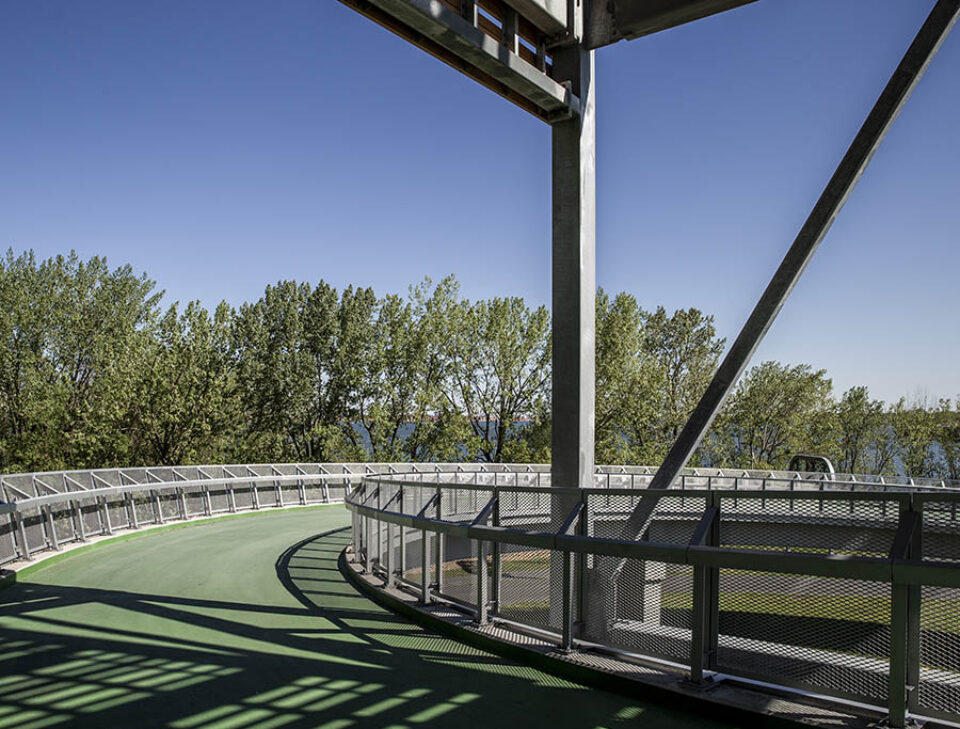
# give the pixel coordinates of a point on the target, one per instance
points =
(825, 634)
(939, 687)
(941, 531)
(460, 564)
(851, 526)
(530, 579)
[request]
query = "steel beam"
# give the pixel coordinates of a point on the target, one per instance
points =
(610, 21)
(854, 162)
(449, 37)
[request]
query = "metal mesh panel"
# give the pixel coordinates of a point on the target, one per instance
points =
(826, 634)
(854, 527)
(169, 505)
(90, 513)
(290, 493)
(219, 499)
(939, 687)
(460, 564)
(530, 578)
(63, 523)
(143, 503)
(34, 529)
(195, 501)
(243, 496)
(117, 509)
(337, 491)
(941, 531)
(641, 606)
(8, 545)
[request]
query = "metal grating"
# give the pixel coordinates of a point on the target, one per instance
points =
(825, 634)
(862, 528)
(939, 687)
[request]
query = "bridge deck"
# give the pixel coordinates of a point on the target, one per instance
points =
(246, 623)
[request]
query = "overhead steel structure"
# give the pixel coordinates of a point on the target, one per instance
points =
(539, 54)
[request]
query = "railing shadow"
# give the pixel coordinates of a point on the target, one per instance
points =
(128, 659)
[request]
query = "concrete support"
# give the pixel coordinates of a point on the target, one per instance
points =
(574, 299)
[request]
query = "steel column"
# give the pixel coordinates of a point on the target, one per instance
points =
(573, 294)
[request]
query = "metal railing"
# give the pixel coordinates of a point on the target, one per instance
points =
(843, 589)
(42, 511)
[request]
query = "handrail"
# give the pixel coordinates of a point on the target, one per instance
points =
(891, 521)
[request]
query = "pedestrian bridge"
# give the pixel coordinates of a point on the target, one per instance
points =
(246, 622)
(738, 587)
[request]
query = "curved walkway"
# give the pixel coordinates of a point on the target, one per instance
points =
(246, 623)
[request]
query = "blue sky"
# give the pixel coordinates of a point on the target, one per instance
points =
(223, 145)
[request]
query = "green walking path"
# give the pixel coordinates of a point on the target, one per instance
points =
(246, 623)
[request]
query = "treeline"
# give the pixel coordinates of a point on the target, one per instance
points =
(94, 372)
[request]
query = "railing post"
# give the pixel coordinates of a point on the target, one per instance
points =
(232, 498)
(51, 527)
(899, 603)
(425, 568)
(131, 512)
(706, 600)
(402, 549)
(914, 597)
(440, 543)
(80, 529)
(566, 643)
(388, 557)
(21, 530)
(207, 501)
(366, 544)
(379, 527)
(157, 508)
(105, 516)
(482, 598)
(904, 674)
(497, 562)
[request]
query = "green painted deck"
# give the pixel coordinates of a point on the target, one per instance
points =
(246, 623)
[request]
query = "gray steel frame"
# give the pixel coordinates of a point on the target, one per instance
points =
(903, 569)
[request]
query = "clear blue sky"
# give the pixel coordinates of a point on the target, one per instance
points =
(223, 145)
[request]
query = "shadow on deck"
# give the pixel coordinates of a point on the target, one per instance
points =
(87, 657)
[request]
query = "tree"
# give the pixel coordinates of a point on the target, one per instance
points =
(914, 433)
(862, 434)
(499, 354)
(948, 437)
(295, 371)
(684, 351)
(184, 403)
(772, 415)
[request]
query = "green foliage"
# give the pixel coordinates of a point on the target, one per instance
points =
(93, 373)
(772, 415)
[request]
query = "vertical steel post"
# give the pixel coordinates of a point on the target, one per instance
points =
(573, 291)
(425, 568)
(388, 557)
(366, 544)
(21, 530)
(440, 543)
(899, 595)
(567, 612)
(54, 542)
(482, 597)
(496, 559)
(81, 527)
(402, 566)
(105, 516)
